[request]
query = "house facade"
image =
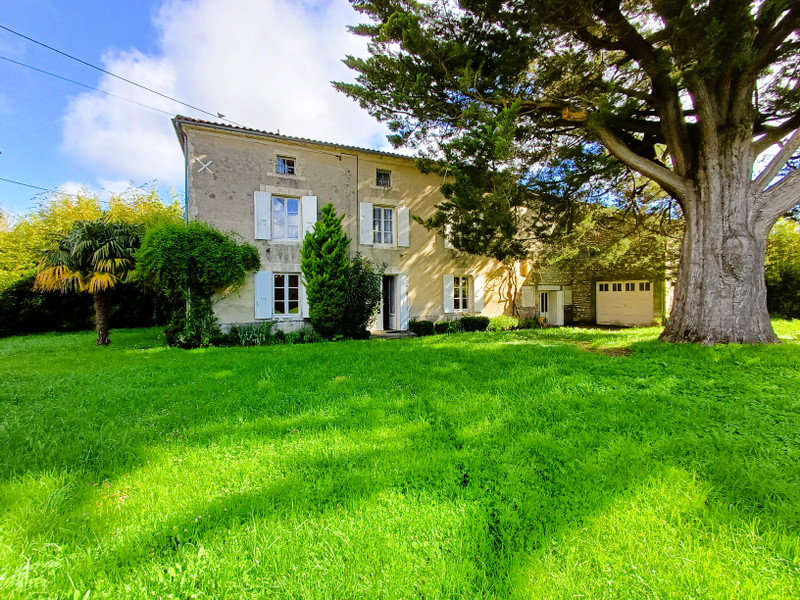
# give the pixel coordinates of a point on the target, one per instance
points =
(268, 189)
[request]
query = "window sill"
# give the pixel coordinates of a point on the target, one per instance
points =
(287, 177)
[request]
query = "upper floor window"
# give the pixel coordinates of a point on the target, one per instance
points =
(383, 178)
(285, 166)
(382, 225)
(460, 293)
(285, 218)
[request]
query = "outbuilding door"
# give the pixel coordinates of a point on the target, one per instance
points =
(624, 302)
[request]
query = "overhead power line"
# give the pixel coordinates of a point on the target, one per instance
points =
(36, 187)
(120, 77)
(83, 85)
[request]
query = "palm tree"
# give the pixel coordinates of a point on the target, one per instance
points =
(93, 257)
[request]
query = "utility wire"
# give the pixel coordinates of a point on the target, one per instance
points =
(102, 70)
(83, 85)
(36, 187)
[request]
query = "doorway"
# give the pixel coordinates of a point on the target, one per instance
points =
(388, 307)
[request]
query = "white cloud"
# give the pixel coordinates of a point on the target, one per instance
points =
(266, 64)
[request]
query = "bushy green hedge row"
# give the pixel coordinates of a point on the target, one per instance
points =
(473, 323)
(23, 310)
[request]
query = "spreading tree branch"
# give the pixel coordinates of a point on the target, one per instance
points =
(773, 135)
(768, 41)
(776, 164)
(780, 198)
(673, 183)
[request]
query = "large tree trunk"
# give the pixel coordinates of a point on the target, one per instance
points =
(102, 316)
(720, 295)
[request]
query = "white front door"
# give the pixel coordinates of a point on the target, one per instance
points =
(551, 305)
(544, 305)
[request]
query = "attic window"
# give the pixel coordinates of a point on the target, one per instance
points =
(383, 178)
(285, 166)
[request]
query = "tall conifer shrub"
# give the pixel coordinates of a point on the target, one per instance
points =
(325, 267)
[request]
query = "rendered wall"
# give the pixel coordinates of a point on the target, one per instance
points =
(222, 193)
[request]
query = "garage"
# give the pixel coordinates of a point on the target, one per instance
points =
(624, 302)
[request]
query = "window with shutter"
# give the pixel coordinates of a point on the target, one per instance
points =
(382, 225)
(286, 294)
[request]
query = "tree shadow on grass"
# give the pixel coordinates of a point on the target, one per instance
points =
(524, 442)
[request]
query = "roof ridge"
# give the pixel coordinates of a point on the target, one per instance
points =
(241, 128)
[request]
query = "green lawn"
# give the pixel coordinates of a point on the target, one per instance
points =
(536, 464)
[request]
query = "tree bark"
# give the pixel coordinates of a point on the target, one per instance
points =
(720, 294)
(102, 316)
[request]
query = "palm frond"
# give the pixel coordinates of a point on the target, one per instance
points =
(59, 278)
(99, 282)
(113, 265)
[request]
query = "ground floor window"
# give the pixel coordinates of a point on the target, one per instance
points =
(460, 293)
(286, 294)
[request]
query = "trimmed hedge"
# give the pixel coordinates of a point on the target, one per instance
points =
(475, 323)
(421, 328)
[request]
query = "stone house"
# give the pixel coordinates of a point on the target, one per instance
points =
(268, 189)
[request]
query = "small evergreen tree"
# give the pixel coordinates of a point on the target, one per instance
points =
(363, 297)
(325, 269)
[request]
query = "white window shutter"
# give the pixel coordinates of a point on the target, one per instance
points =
(479, 285)
(447, 229)
(263, 285)
(309, 213)
(402, 284)
(303, 299)
(447, 294)
(365, 220)
(263, 215)
(403, 226)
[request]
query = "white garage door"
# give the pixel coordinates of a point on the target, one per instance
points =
(624, 302)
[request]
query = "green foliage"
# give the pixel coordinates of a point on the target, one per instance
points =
(527, 106)
(421, 328)
(783, 269)
(259, 334)
(503, 323)
(477, 323)
(363, 297)
(453, 326)
(22, 240)
(188, 264)
(93, 257)
(608, 241)
(325, 269)
(547, 464)
(22, 310)
(532, 322)
(176, 257)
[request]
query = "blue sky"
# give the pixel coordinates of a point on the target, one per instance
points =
(264, 63)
